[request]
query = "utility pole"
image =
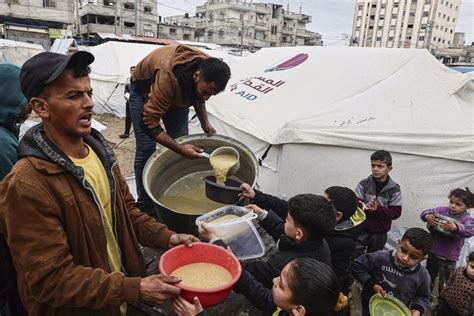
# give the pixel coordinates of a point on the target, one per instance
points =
(137, 11)
(242, 35)
(78, 19)
(115, 17)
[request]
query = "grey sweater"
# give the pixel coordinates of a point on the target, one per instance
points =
(409, 285)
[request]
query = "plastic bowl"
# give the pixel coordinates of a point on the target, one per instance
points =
(226, 194)
(202, 252)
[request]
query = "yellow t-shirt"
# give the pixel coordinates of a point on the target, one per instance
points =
(95, 175)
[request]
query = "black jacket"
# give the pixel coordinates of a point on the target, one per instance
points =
(342, 242)
(288, 249)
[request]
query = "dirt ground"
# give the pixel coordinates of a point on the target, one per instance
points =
(124, 148)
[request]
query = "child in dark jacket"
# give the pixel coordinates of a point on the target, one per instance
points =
(457, 298)
(381, 200)
(304, 287)
(398, 273)
(447, 246)
(343, 238)
(310, 217)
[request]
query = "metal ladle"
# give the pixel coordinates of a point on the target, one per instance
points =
(225, 150)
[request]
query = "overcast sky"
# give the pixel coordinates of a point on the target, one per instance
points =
(331, 18)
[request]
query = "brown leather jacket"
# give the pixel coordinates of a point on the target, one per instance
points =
(156, 70)
(54, 229)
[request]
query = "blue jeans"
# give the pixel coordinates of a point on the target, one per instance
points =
(176, 124)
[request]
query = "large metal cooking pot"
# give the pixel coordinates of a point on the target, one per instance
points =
(165, 168)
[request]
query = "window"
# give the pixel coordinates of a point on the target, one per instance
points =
(395, 5)
(434, 38)
(443, 41)
(382, 17)
(172, 31)
(408, 37)
(436, 26)
(457, 8)
(451, 6)
(210, 33)
(421, 38)
(372, 17)
(360, 7)
(108, 2)
(390, 38)
(147, 9)
(374, 5)
(442, 1)
(394, 16)
(439, 14)
(410, 26)
(221, 33)
(383, 6)
(427, 1)
(449, 42)
(451, 32)
(49, 4)
(129, 5)
(447, 3)
(128, 24)
(426, 13)
(454, 20)
(371, 27)
(412, 13)
(379, 38)
(423, 26)
(444, 16)
(448, 18)
(439, 40)
(446, 29)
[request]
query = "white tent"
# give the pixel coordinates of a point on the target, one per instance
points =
(18, 52)
(111, 69)
(313, 116)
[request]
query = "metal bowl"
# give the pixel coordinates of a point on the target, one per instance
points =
(439, 227)
(165, 168)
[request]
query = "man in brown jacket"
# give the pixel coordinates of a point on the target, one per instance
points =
(65, 209)
(164, 85)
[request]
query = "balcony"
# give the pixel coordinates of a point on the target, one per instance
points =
(262, 26)
(287, 30)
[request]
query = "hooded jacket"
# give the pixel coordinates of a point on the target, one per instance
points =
(12, 102)
(53, 224)
(287, 250)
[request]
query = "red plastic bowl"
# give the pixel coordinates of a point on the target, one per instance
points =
(202, 252)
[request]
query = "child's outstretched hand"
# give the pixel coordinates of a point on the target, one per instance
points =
(430, 218)
(248, 192)
(206, 232)
(183, 308)
(449, 226)
(261, 214)
(378, 289)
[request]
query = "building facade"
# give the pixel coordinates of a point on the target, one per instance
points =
(133, 17)
(427, 24)
(36, 21)
(237, 23)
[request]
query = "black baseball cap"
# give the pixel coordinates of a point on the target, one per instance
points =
(43, 68)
